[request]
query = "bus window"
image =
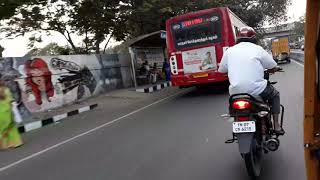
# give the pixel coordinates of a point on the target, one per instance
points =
(199, 31)
(235, 31)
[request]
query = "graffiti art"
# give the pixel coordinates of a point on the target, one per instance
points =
(9, 76)
(43, 83)
(39, 79)
(77, 77)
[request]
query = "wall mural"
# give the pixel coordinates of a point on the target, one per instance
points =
(42, 83)
(8, 75)
(39, 79)
(76, 77)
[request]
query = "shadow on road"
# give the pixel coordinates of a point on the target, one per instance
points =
(208, 90)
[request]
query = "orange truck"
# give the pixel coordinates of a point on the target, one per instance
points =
(280, 49)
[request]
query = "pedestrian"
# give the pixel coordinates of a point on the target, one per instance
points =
(166, 69)
(154, 73)
(9, 134)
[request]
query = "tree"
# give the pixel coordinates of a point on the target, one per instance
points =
(50, 50)
(299, 26)
(146, 16)
(98, 21)
(8, 8)
(42, 18)
(1, 51)
(255, 12)
(93, 21)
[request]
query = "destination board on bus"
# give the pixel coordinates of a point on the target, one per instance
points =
(197, 31)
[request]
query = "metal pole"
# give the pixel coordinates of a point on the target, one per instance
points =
(133, 67)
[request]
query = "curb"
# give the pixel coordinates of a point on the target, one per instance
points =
(53, 120)
(156, 87)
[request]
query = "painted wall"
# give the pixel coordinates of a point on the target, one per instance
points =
(42, 83)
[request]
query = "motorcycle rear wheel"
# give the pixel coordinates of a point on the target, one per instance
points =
(253, 160)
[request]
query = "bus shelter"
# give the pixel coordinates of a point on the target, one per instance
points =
(149, 48)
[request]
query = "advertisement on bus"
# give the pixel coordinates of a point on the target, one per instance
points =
(199, 60)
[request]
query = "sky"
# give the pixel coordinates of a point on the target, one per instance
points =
(296, 10)
(17, 47)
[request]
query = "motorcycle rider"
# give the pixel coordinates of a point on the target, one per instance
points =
(245, 64)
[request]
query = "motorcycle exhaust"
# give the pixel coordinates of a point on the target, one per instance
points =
(272, 144)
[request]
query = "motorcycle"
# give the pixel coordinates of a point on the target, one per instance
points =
(253, 128)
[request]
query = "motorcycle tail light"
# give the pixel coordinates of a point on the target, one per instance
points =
(241, 104)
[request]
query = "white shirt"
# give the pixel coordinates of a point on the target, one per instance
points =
(245, 64)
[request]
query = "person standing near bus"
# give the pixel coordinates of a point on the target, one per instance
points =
(245, 64)
(9, 134)
(166, 69)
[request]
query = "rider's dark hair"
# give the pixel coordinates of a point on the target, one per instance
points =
(251, 40)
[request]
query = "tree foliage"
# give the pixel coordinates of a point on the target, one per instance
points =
(51, 49)
(1, 50)
(299, 26)
(92, 21)
(8, 7)
(149, 15)
(97, 21)
(42, 18)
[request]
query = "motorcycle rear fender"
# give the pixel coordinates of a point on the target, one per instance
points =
(244, 141)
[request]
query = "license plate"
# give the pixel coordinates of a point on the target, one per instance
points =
(244, 127)
(201, 75)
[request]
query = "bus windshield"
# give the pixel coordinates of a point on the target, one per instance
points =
(197, 31)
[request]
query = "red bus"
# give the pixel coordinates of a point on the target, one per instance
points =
(196, 42)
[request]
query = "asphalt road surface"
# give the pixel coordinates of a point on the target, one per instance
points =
(178, 138)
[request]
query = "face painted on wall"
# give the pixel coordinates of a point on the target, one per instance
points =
(39, 79)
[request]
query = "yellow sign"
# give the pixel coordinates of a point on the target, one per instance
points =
(201, 75)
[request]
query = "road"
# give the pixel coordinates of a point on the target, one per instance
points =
(297, 51)
(178, 138)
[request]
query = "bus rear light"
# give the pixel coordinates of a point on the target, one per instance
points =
(173, 65)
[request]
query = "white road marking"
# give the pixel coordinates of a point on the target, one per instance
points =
(302, 65)
(83, 134)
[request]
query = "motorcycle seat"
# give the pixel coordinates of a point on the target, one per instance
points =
(259, 98)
